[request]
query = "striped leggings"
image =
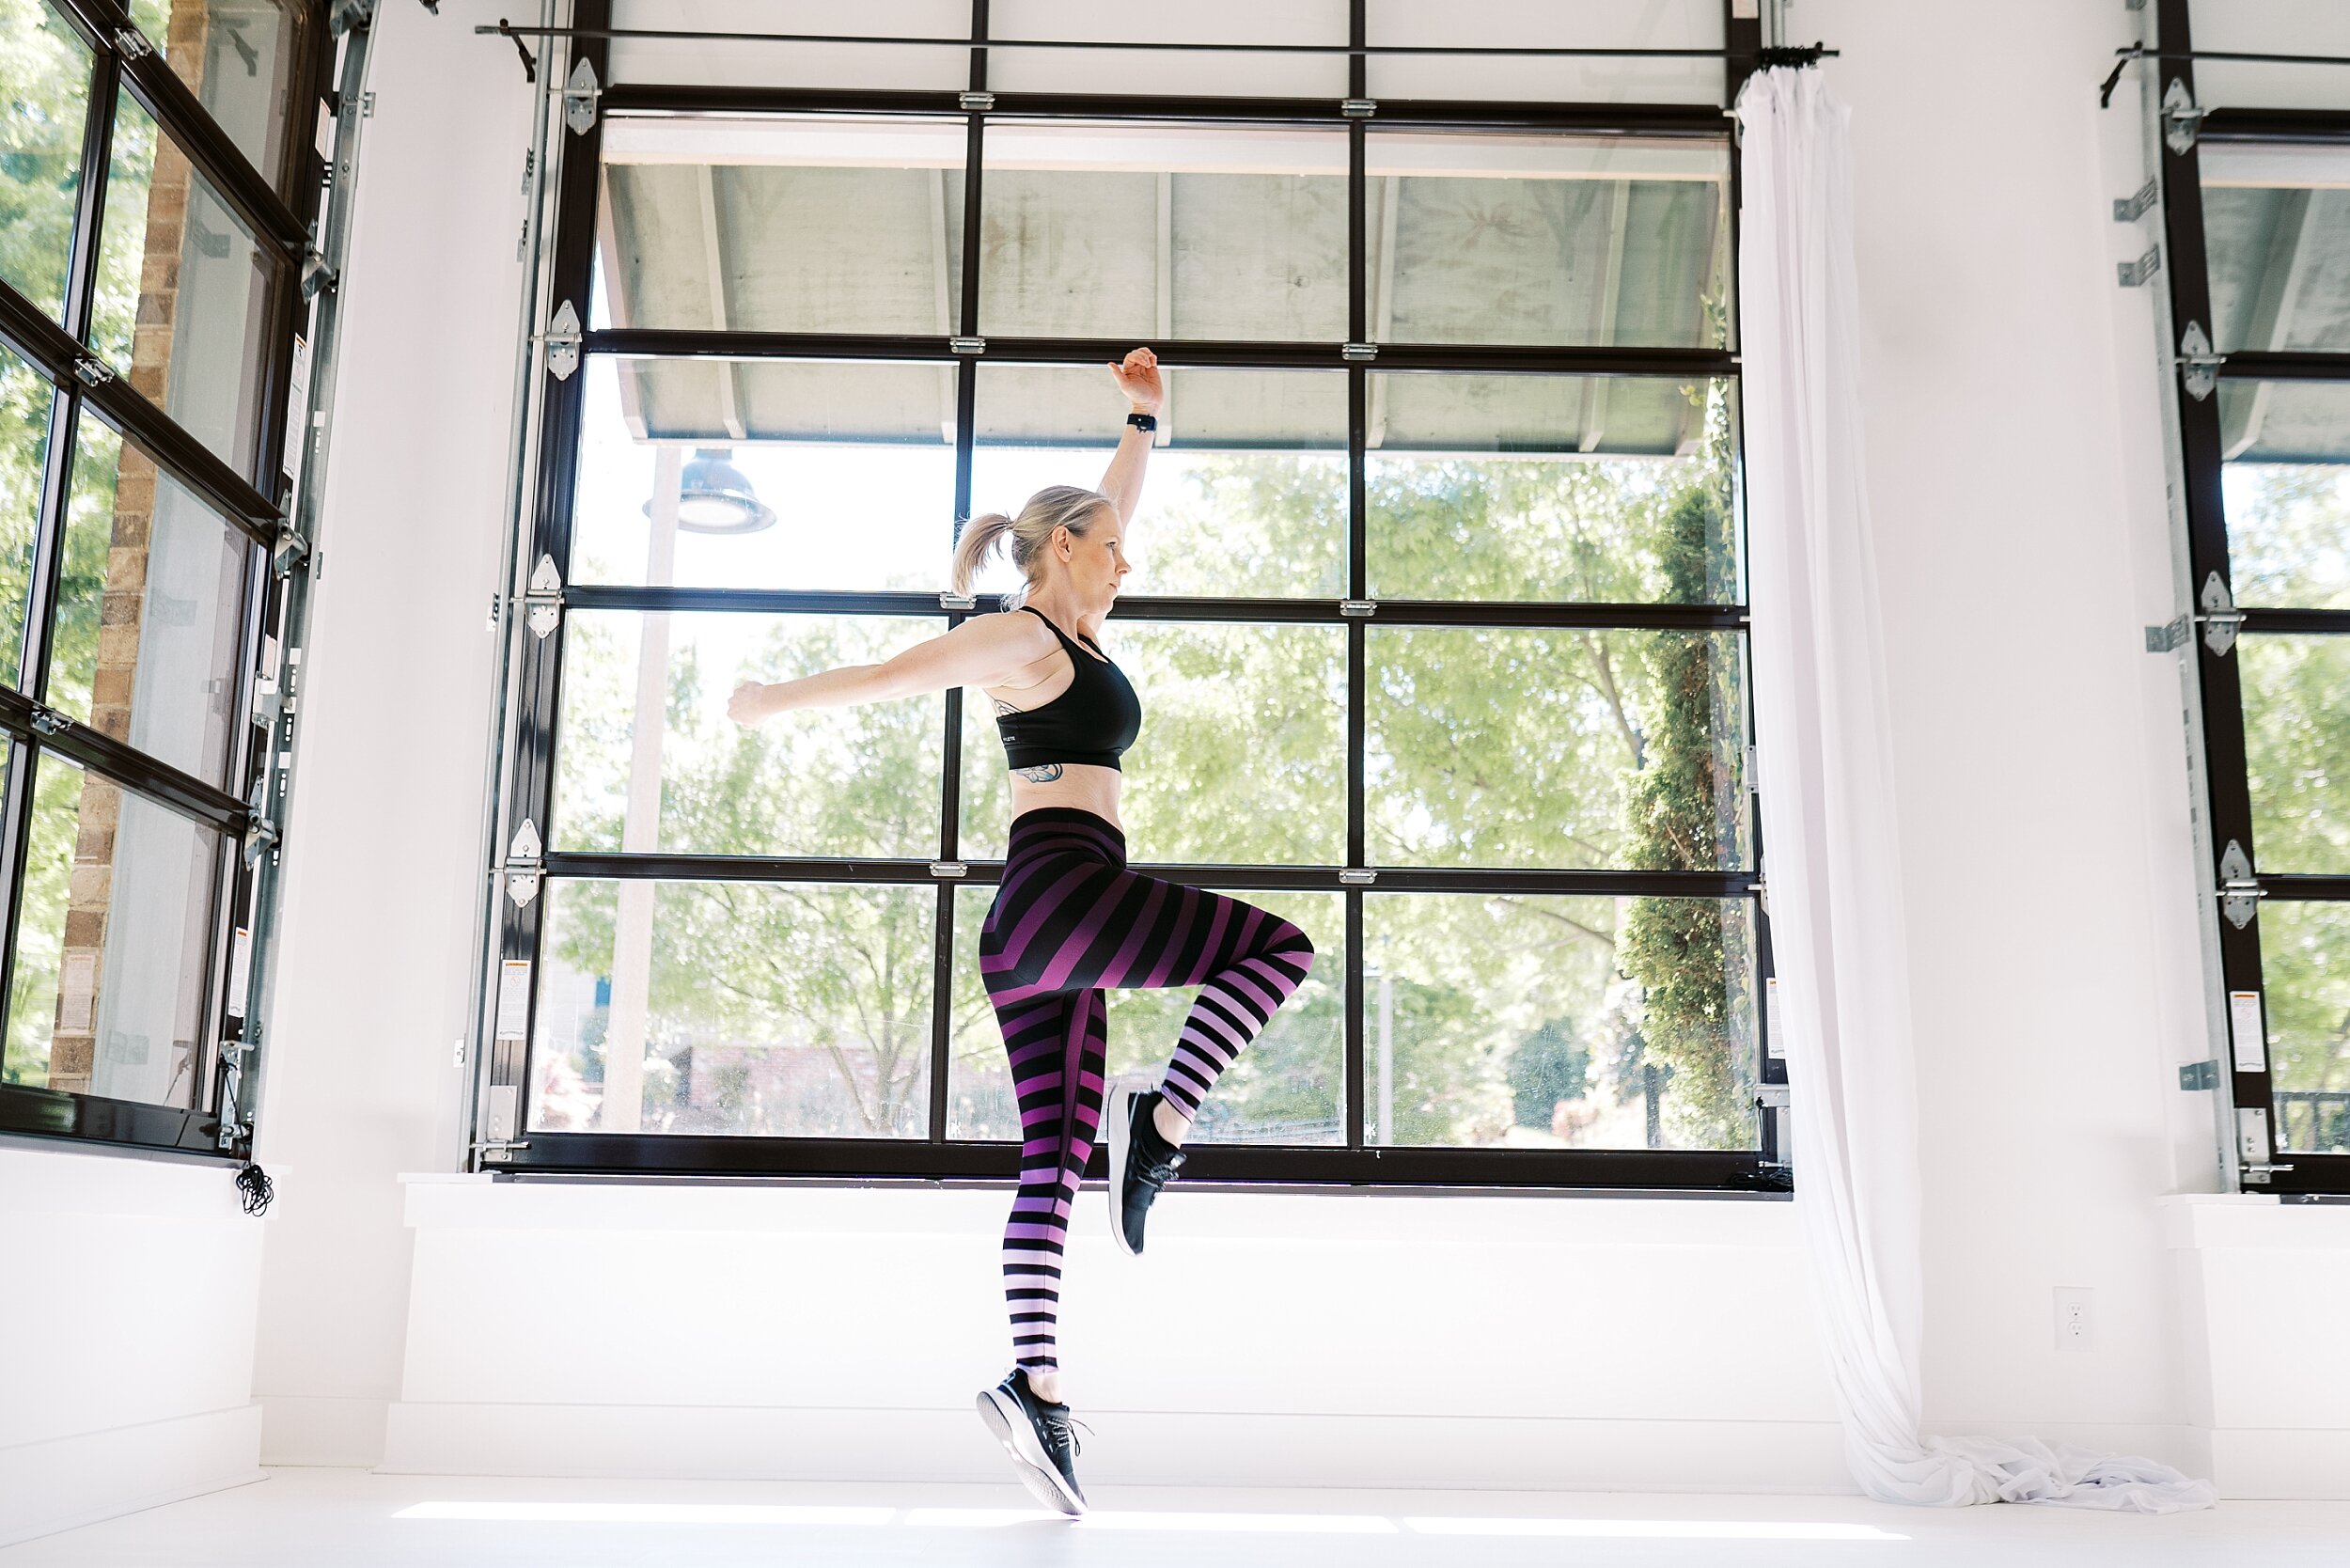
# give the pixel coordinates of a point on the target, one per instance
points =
(1068, 922)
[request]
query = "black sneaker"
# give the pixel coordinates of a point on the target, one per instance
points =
(1037, 1438)
(1141, 1162)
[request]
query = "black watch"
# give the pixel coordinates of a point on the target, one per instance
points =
(1143, 421)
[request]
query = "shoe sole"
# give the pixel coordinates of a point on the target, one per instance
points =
(1010, 1425)
(1120, 1119)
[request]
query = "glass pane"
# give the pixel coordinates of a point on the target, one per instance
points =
(745, 1007)
(1692, 24)
(731, 62)
(1557, 749)
(1613, 488)
(777, 223)
(2287, 493)
(2305, 972)
(45, 82)
(1289, 1086)
(113, 945)
(2296, 744)
(179, 290)
(26, 401)
(647, 759)
(1242, 759)
(1151, 233)
(1244, 495)
(236, 57)
(785, 474)
(1548, 1022)
(2277, 234)
(1484, 239)
(150, 604)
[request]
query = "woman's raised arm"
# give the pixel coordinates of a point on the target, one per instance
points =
(982, 651)
(1138, 377)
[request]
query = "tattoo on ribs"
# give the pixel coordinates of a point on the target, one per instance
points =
(1003, 707)
(1044, 773)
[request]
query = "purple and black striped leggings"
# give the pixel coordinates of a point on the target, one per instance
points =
(1068, 922)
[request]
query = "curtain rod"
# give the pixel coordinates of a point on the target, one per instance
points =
(1808, 53)
(2139, 51)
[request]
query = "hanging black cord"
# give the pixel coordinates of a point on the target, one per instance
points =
(1795, 55)
(253, 1188)
(2139, 51)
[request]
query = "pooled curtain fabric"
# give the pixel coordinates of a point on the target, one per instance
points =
(1823, 750)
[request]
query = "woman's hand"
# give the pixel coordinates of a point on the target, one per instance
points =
(748, 705)
(1138, 377)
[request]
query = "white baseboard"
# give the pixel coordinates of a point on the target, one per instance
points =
(307, 1430)
(1129, 1448)
(64, 1482)
(2304, 1464)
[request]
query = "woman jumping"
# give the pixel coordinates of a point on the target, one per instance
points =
(1070, 920)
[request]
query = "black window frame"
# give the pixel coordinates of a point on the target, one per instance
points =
(519, 874)
(251, 494)
(2226, 778)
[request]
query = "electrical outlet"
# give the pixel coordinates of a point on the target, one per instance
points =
(2076, 1320)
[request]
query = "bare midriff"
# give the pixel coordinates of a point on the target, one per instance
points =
(1081, 785)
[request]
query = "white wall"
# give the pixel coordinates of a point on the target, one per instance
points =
(384, 853)
(2015, 475)
(126, 1314)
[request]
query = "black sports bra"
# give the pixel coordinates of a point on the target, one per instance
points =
(1092, 722)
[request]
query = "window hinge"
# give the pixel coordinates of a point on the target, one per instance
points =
(563, 342)
(2240, 891)
(133, 43)
(543, 603)
(48, 721)
(290, 550)
(2138, 274)
(580, 92)
(1357, 876)
(92, 372)
(260, 834)
(523, 868)
(967, 345)
(2130, 209)
(2181, 118)
(1359, 608)
(497, 1141)
(975, 102)
(2198, 1075)
(2221, 618)
(317, 277)
(1358, 108)
(1359, 352)
(958, 601)
(2198, 367)
(950, 868)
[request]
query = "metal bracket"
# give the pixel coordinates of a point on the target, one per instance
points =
(48, 721)
(350, 16)
(958, 601)
(2181, 118)
(1359, 608)
(317, 277)
(544, 603)
(1357, 876)
(2138, 274)
(2240, 891)
(975, 102)
(2198, 367)
(260, 834)
(563, 341)
(2132, 207)
(290, 550)
(2221, 618)
(1359, 352)
(580, 92)
(92, 372)
(2198, 1075)
(523, 868)
(967, 345)
(2167, 637)
(1358, 108)
(1773, 1096)
(950, 868)
(133, 43)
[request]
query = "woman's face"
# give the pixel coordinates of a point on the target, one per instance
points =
(1095, 560)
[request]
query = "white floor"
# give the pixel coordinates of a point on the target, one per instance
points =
(354, 1519)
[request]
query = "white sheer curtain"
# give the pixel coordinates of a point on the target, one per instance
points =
(1830, 830)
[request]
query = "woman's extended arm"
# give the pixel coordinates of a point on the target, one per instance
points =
(979, 652)
(1138, 377)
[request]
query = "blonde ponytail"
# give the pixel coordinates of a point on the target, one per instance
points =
(1059, 506)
